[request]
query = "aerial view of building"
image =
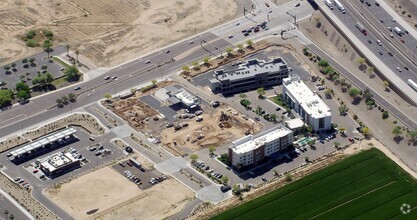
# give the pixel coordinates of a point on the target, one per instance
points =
(307, 104)
(58, 164)
(252, 149)
(250, 75)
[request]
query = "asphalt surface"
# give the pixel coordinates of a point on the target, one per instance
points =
(7, 203)
(40, 59)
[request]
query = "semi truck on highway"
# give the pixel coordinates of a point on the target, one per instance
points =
(329, 4)
(398, 31)
(339, 6)
(361, 28)
(412, 84)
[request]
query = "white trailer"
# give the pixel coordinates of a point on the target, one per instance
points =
(412, 84)
(339, 6)
(398, 31)
(329, 4)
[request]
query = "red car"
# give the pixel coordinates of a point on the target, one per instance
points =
(129, 163)
(351, 140)
(35, 171)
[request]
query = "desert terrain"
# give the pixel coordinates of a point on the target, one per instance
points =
(113, 195)
(107, 32)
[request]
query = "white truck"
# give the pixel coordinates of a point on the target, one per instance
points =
(339, 6)
(329, 4)
(398, 31)
(412, 84)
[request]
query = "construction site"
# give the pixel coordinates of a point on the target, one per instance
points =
(214, 127)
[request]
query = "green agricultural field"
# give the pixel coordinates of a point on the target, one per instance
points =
(365, 186)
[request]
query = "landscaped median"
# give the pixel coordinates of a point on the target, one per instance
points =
(367, 186)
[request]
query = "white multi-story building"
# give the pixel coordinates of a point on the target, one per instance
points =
(250, 75)
(307, 104)
(250, 150)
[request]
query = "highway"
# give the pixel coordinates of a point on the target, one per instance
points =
(389, 44)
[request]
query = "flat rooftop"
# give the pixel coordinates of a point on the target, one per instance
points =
(57, 161)
(310, 101)
(250, 142)
(250, 68)
(182, 95)
(43, 141)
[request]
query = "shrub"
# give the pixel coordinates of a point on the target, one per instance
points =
(48, 33)
(385, 115)
(30, 34)
(31, 43)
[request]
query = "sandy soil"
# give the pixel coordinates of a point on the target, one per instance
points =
(106, 31)
(234, 128)
(96, 190)
(161, 201)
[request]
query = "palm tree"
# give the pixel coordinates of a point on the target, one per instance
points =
(397, 131)
(206, 61)
(76, 53)
(249, 43)
(370, 70)
(261, 92)
(211, 150)
(240, 46)
(47, 47)
(229, 51)
(193, 157)
(68, 47)
(386, 84)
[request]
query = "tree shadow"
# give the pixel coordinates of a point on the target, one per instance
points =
(398, 139)
(356, 100)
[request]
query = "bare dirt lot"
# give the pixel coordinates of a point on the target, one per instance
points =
(161, 201)
(107, 31)
(102, 190)
(216, 131)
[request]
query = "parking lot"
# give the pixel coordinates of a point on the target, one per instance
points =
(127, 169)
(28, 72)
(81, 144)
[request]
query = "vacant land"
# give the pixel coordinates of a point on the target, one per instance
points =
(159, 202)
(108, 32)
(113, 195)
(366, 186)
(98, 190)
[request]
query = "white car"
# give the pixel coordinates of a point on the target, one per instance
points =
(275, 33)
(379, 42)
(114, 77)
(107, 78)
(147, 62)
(230, 36)
(399, 69)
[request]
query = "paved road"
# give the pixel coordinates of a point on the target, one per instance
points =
(9, 204)
(351, 32)
(378, 31)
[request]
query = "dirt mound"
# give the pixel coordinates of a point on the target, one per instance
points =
(162, 18)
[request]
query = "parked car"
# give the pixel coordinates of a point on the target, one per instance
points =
(107, 78)
(77, 88)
